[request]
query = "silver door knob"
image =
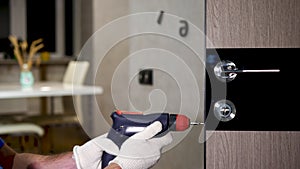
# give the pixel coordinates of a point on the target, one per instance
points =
(227, 71)
(224, 110)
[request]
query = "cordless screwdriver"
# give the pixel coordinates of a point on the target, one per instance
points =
(126, 124)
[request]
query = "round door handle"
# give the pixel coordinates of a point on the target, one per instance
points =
(224, 110)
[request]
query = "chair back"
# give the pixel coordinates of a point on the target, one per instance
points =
(76, 72)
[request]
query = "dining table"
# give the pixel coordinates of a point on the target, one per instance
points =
(49, 89)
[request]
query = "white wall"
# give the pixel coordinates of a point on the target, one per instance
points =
(175, 67)
(122, 69)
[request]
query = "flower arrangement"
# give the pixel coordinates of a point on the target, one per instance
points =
(25, 58)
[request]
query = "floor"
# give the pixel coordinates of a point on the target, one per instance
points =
(62, 133)
(57, 139)
(62, 139)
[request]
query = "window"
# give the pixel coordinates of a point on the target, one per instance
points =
(51, 20)
(4, 18)
(4, 24)
(40, 23)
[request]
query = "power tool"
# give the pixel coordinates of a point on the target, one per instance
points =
(126, 124)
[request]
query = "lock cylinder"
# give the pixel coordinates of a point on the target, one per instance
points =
(224, 110)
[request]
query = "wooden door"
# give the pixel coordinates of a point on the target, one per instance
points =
(265, 130)
(253, 23)
(253, 150)
(263, 136)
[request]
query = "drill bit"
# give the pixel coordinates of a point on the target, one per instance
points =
(196, 123)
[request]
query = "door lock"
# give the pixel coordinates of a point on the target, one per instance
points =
(224, 110)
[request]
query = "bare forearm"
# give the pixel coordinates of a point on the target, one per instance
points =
(34, 161)
(113, 166)
(7, 156)
(9, 159)
(61, 161)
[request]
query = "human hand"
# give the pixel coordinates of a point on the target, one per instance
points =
(88, 156)
(142, 151)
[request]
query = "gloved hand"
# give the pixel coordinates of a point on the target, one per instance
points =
(88, 156)
(141, 151)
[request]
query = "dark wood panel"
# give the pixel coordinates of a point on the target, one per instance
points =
(253, 23)
(252, 150)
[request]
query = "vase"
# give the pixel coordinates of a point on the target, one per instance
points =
(26, 78)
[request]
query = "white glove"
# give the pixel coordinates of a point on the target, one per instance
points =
(141, 151)
(88, 156)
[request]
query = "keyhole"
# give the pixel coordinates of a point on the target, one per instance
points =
(225, 110)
